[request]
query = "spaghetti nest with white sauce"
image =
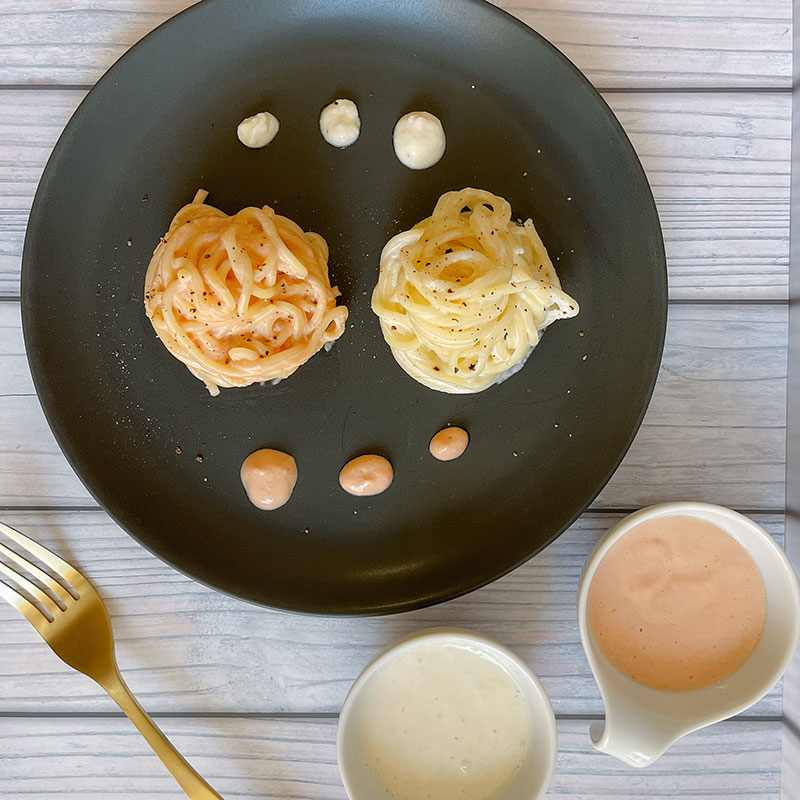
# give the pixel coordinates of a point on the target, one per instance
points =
(241, 299)
(464, 294)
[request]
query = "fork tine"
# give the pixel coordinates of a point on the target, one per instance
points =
(51, 583)
(31, 588)
(24, 606)
(65, 570)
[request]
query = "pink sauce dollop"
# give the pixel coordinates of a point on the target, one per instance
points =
(269, 477)
(366, 475)
(449, 443)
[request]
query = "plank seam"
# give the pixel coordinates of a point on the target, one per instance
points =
(678, 301)
(283, 715)
(8, 509)
(676, 89)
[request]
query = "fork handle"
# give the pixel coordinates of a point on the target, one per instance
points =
(191, 783)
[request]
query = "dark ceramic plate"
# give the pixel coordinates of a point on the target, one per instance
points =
(162, 456)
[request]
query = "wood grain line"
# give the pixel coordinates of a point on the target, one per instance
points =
(639, 43)
(715, 429)
(185, 649)
(250, 760)
(719, 166)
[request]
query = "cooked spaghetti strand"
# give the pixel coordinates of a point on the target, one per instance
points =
(464, 294)
(241, 299)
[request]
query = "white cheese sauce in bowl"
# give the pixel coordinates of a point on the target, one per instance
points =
(447, 715)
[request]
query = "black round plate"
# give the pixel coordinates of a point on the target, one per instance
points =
(163, 457)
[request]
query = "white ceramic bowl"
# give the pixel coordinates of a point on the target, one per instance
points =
(641, 723)
(534, 778)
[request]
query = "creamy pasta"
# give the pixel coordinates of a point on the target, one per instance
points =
(241, 299)
(464, 294)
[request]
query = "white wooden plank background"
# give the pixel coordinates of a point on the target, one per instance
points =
(617, 43)
(185, 648)
(715, 427)
(719, 164)
(253, 759)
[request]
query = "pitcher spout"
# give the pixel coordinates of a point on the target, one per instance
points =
(637, 742)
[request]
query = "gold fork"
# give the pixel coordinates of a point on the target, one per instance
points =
(72, 619)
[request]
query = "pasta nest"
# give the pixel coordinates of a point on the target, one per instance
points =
(463, 296)
(241, 299)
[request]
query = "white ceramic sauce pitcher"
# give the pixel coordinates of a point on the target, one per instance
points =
(641, 723)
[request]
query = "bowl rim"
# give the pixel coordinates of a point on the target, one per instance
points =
(695, 509)
(533, 687)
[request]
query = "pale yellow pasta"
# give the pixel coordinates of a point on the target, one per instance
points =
(241, 299)
(463, 295)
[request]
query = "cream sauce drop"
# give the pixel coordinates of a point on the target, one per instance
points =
(677, 603)
(339, 123)
(449, 443)
(366, 475)
(446, 722)
(419, 140)
(269, 477)
(259, 130)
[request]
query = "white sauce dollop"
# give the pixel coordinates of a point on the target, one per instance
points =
(339, 123)
(419, 140)
(258, 130)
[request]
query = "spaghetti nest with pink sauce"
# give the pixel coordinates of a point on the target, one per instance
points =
(241, 299)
